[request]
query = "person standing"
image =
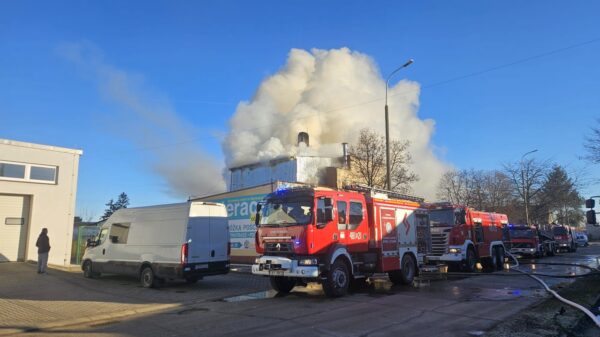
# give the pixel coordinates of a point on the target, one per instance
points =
(43, 244)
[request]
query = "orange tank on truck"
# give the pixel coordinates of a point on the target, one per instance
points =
(464, 237)
(331, 236)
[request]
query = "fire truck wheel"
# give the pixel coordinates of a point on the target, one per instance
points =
(500, 259)
(282, 284)
(493, 260)
(407, 271)
(471, 261)
(337, 281)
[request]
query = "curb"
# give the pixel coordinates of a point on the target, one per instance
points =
(89, 319)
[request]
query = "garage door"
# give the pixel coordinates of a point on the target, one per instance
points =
(14, 214)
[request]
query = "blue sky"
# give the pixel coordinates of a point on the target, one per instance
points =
(205, 57)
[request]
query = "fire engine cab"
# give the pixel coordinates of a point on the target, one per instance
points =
(330, 236)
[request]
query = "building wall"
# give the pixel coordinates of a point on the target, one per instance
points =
(307, 170)
(51, 205)
(263, 173)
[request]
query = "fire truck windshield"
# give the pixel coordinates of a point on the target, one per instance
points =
(442, 217)
(521, 233)
(286, 213)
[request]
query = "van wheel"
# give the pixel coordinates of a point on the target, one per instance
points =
(148, 279)
(500, 259)
(337, 279)
(471, 261)
(88, 271)
(282, 284)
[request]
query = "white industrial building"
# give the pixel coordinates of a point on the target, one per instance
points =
(38, 186)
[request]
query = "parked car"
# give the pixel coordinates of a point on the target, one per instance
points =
(581, 239)
(158, 243)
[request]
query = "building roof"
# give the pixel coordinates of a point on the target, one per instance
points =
(40, 146)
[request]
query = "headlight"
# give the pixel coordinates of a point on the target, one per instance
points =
(308, 262)
(257, 260)
(454, 250)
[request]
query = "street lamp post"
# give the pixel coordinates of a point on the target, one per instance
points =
(525, 190)
(387, 125)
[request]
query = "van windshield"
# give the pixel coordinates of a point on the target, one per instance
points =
(286, 212)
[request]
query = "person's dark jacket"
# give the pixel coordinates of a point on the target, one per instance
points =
(43, 244)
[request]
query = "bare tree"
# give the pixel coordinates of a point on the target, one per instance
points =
(499, 191)
(483, 190)
(368, 161)
(528, 177)
(452, 187)
(592, 145)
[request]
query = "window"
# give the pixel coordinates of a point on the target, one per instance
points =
(341, 211)
(43, 173)
(28, 172)
(356, 214)
(12, 170)
(324, 211)
(102, 236)
(119, 232)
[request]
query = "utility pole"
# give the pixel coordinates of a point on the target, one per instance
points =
(387, 126)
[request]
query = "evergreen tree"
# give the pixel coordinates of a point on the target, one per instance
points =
(112, 206)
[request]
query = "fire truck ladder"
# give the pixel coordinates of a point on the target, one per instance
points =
(390, 194)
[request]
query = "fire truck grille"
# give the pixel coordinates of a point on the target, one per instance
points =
(439, 244)
(279, 247)
(521, 245)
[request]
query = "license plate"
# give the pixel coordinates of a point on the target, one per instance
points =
(276, 272)
(201, 266)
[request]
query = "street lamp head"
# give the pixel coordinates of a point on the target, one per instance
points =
(409, 62)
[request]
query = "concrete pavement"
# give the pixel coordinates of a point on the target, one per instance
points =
(32, 302)
(241, 304)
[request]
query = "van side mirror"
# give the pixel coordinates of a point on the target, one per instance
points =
(91, 243)
(114, 239)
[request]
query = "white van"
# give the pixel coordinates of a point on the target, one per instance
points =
(179, 241)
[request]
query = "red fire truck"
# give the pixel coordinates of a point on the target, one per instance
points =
(462, 236)
(530, 241)
(333, 237)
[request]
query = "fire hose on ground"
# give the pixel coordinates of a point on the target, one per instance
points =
(593, 271)
(555, 294)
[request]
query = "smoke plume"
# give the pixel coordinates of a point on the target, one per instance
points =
(332, 95)
(150, 122)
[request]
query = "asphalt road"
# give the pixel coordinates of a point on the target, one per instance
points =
(241, 304)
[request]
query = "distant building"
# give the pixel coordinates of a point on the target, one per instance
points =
(38, 187)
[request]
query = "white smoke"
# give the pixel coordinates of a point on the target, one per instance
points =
(332, 95)
(150, 122)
